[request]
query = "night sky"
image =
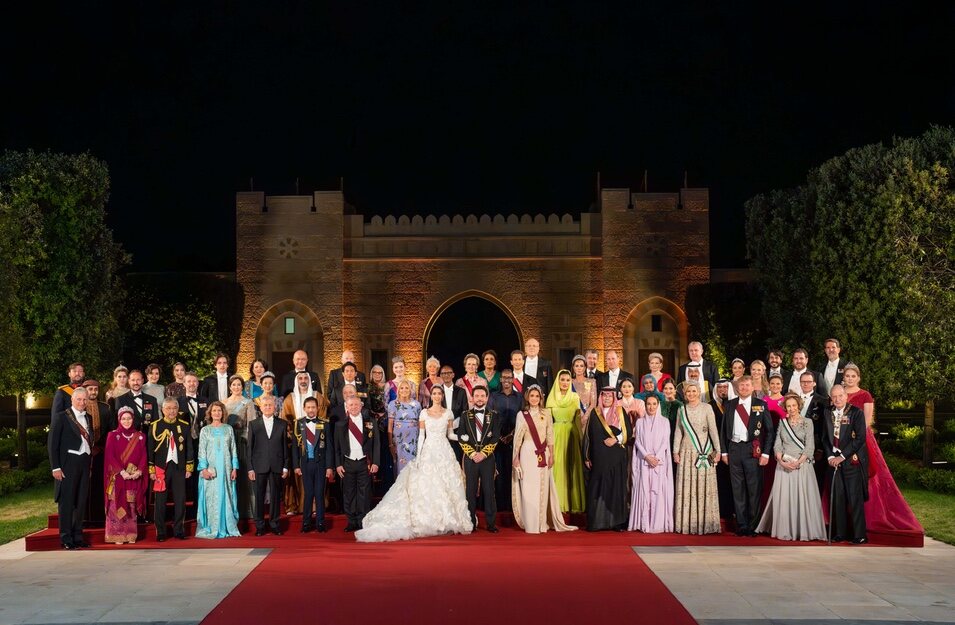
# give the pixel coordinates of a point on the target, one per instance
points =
(447, 108)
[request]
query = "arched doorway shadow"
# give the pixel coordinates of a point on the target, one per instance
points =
(285, 327)
(655, 325)
(472, 321)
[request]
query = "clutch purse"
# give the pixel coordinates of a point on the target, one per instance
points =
(788, 458)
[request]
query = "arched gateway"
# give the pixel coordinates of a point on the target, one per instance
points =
(413, 285)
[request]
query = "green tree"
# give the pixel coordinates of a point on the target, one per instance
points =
(60, 263)
(865, 251)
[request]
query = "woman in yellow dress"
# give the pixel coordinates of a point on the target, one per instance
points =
(564, 405)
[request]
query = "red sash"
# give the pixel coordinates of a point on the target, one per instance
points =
(468, 385)
(539, 448)
(83, 431)
(757, 451)
(310, 435)
(518, 385)
(744, 416)
(356, 431)
(159, 486)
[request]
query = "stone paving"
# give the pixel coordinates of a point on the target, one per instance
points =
(128, 586)
(717, 585)
(754, 585)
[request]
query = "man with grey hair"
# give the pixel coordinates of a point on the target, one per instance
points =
(357, 456)
(845, 450)
(707, 369)
(171, 454)
(269, 456)
(70, 445)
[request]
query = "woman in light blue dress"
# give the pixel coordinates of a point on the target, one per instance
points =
(403, 414)
(218, 461)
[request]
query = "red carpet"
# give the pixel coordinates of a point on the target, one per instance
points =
(510, 577)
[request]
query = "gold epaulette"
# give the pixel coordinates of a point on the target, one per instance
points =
(183, 421)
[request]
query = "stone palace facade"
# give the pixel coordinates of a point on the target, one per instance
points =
(319, 277)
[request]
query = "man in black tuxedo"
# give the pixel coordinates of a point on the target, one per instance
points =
(145, 408)
(357, 457)
(835, 365)
(337, 378)
(478, 435)
(313, 456)
(300, 361)
(537, 367)
(814, 405)
(70, 445)
(848, 460)
(791, 379)
(61, 399)
(171, 455)
(456, 398)
(348, 376)
(774, 361)
(614, 375)
(193, 405)
(215, 387)
(708, 372)
(746, 437)
(269, 462)
(519, 377)
(590, 359)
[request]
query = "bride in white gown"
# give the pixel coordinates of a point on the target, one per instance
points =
(428, 498)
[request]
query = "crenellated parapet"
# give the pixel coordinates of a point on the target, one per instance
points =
(470, 225)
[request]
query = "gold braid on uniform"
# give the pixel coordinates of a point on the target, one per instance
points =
(488, 449)
(467, 449)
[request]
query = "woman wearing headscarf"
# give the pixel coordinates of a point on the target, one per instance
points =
(564, 406)
(607, 443)
(124, 479)
(651, 503)
(533, 492)
(648, 387)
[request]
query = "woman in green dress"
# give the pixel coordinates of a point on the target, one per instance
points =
(564, 405)
(490, 372)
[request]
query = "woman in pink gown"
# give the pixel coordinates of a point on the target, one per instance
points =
(885, 510)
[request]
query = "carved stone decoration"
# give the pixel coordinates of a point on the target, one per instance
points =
(288, 248)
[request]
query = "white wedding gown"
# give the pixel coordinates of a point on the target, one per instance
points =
(428, 498)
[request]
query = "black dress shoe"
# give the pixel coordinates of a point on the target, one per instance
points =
(838, 539)
(68, 544)
(305, 529)
(859, 541)
(620, 528)
(260, 532)
(160, 539)
(493, 530)
(83, 544)
(180, 536)
(350, 527)
(742, 532)
(277, 531)
(320, 528)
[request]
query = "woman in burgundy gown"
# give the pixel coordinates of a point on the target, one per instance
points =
(885, 509)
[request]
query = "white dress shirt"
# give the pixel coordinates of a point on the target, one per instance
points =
(84, 446)
(794, 386)
(223, 380)
(355, 451)
(530, 366)
(172, 453)
(612, 376)
(269, 423)
(740, 431)
(832, 368)
(479, 418)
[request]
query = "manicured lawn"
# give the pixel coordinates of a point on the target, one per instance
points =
(25, 512)
(935, 511)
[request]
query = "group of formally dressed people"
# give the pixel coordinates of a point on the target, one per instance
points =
(772, 450)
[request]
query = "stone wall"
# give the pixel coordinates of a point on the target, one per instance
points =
(383, 282)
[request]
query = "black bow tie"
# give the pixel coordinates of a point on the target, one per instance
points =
(310, 420)
(479, 413)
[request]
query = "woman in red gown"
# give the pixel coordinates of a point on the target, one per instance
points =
(886, 509)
